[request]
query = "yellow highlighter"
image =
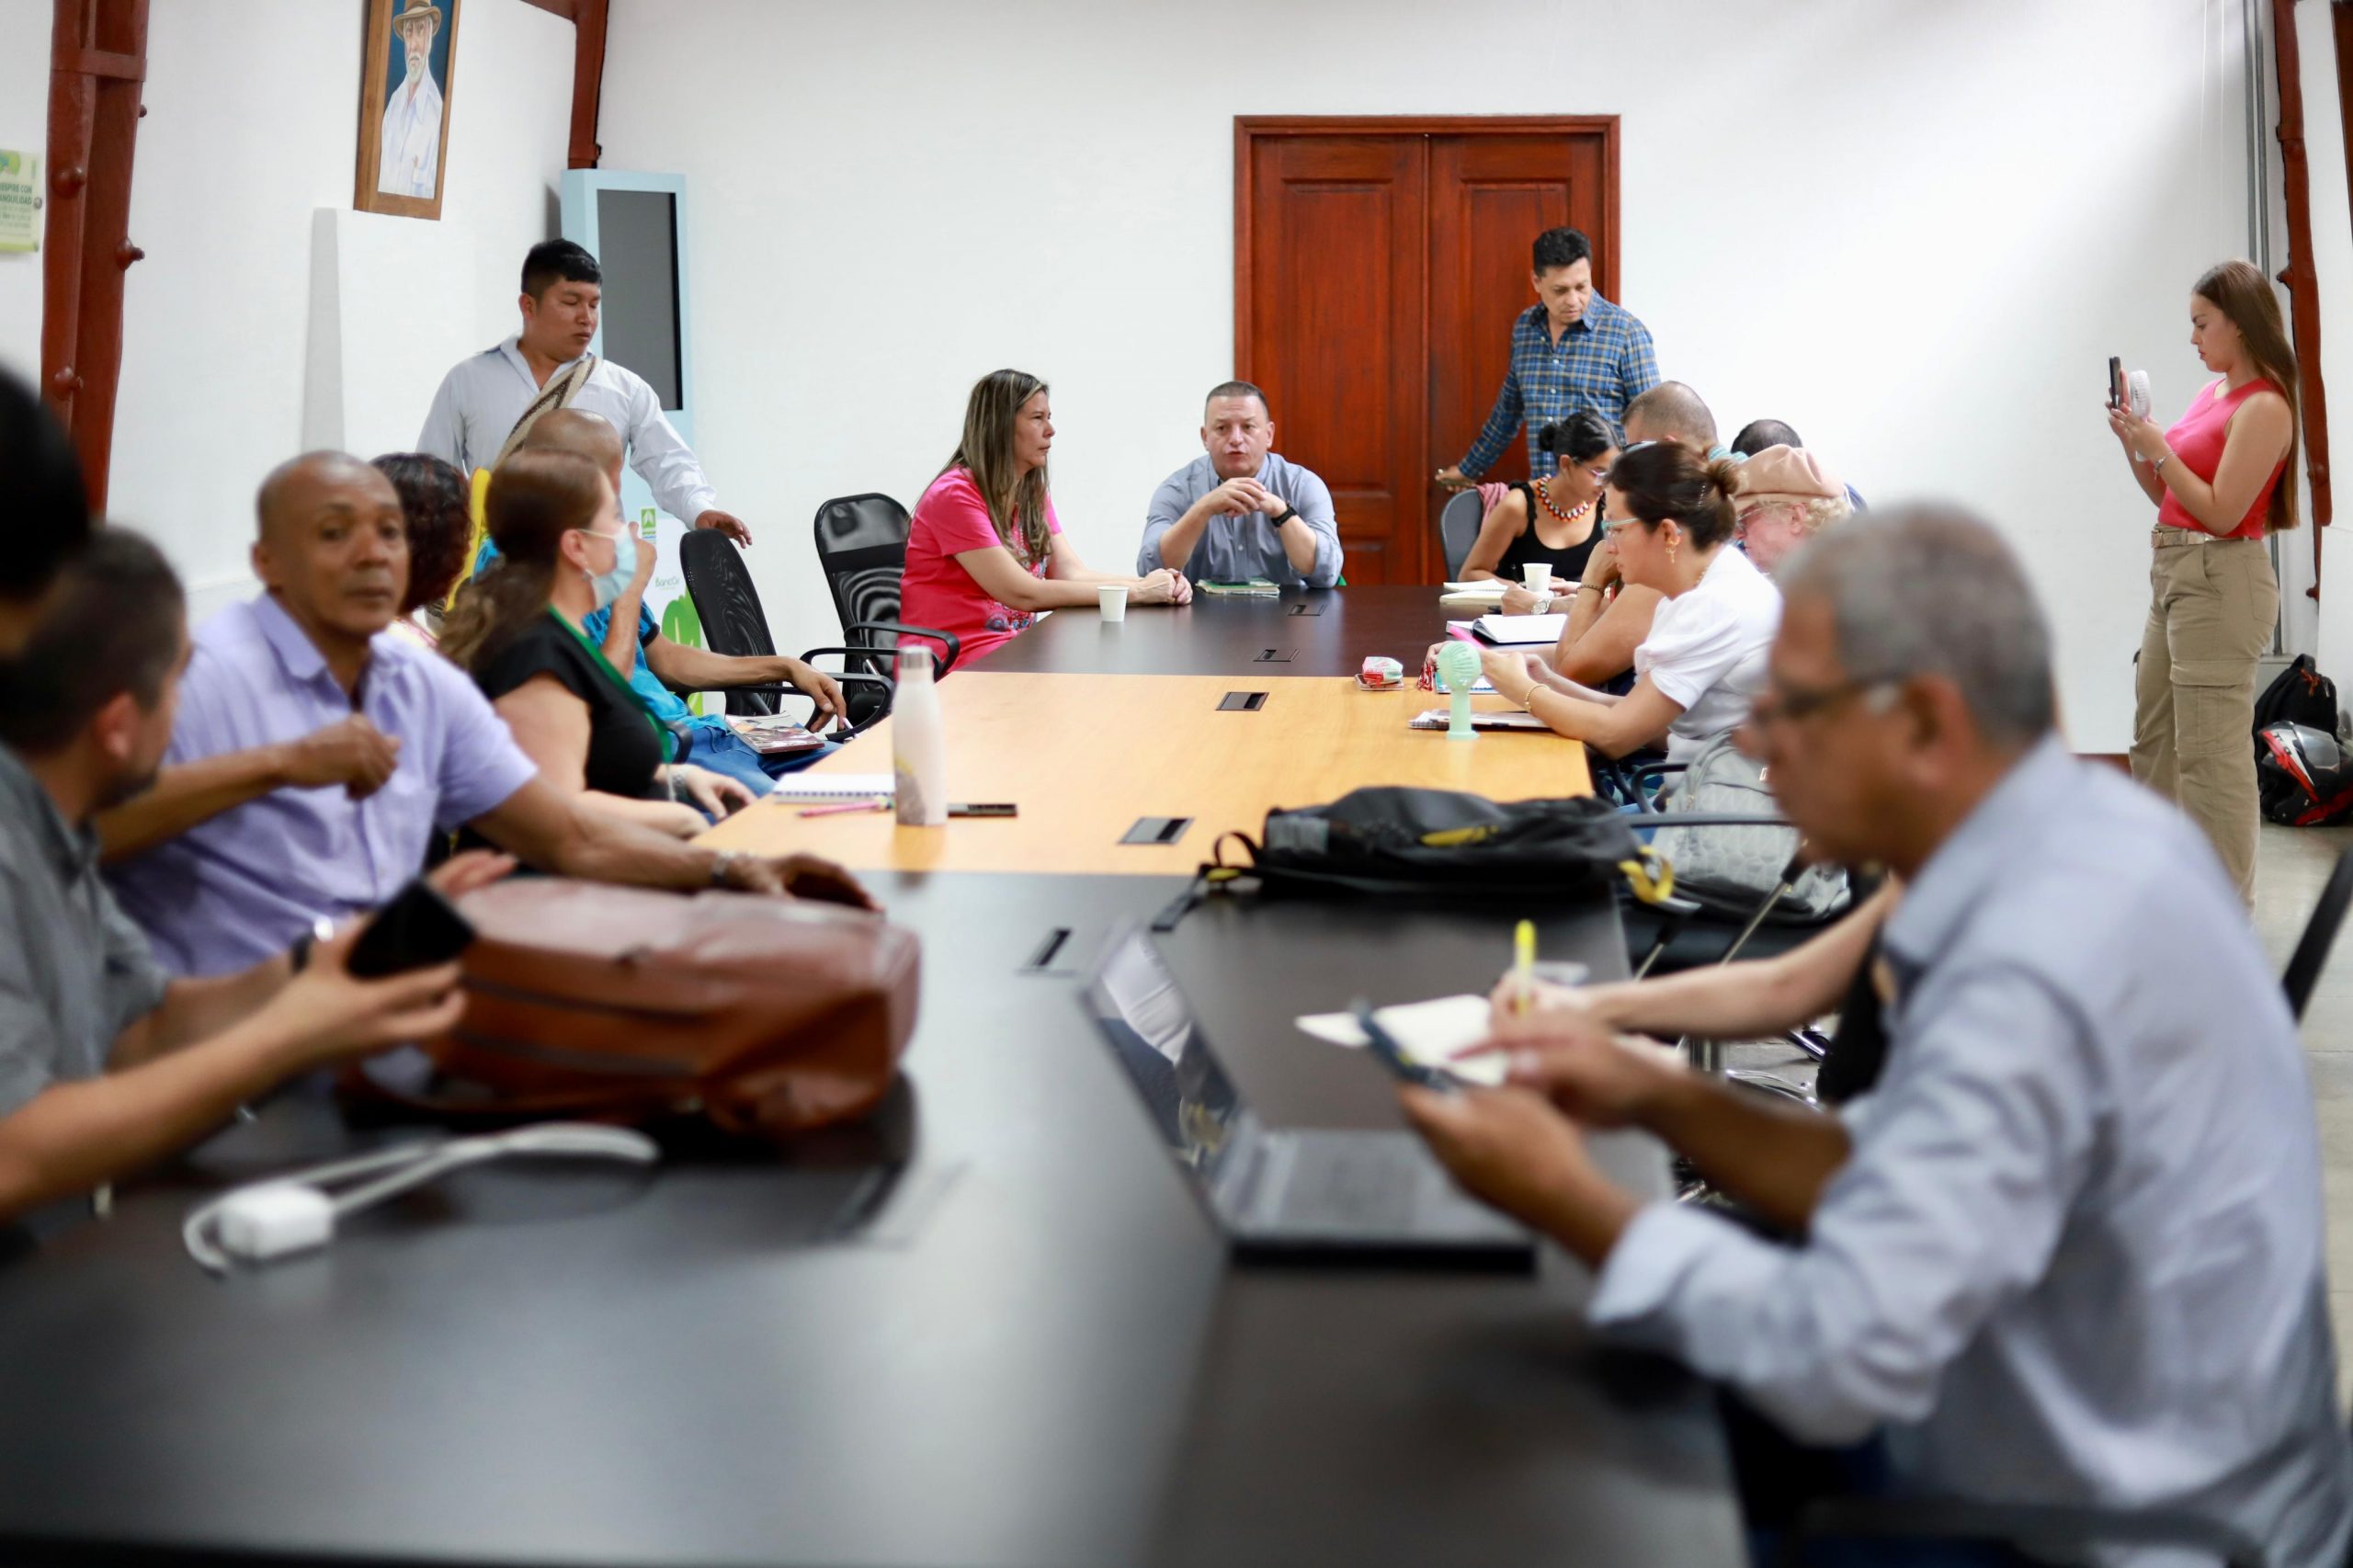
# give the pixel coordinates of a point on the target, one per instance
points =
(1523, 964)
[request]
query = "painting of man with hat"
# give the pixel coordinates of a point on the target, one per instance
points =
(415, 77)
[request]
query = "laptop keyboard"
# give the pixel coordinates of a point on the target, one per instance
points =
(1337, 1185)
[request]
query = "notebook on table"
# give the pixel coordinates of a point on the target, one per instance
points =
(1508, 718)
(1519, 630)
(835, 787)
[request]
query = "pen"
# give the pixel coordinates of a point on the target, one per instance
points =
(1523, 964)
(851, 806)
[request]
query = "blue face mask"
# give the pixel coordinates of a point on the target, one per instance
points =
(607, 586)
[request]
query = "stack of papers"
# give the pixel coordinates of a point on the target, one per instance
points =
(1256, 588)
(1508, 719)
(1519, 630)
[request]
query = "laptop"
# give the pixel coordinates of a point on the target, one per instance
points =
(1306, 1195)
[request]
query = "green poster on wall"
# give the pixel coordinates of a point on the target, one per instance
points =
(19, 201)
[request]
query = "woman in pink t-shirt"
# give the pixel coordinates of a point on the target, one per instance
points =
(985, 552)
(2218, 481)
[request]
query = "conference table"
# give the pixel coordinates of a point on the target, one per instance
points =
(990, 1325)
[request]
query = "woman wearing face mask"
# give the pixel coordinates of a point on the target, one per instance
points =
(564, 554)
(1670, 522)
(1554, 521)
(2217, 480)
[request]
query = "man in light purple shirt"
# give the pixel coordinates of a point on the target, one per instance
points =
(314, 649)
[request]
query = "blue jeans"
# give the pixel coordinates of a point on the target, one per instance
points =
(722, 750)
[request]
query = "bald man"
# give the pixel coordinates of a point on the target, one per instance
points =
(659, 668)
(315, 649)
(1673, 413)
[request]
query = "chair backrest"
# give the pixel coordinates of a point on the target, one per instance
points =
(862, 545)
(728, 606)
(1458, 529)
(2320, 935)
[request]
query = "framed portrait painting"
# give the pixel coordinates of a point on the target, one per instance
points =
(404, 106)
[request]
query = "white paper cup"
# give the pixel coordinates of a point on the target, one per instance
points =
(1536, 576)
(1112, 599)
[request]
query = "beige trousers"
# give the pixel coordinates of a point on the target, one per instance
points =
(2210, 613)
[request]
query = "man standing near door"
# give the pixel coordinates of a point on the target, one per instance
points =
(1572, 350)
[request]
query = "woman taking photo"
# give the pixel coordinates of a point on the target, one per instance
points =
(985, 552)
(563, 553)
(2216, 481)
(1554, 521)
(1670, 522)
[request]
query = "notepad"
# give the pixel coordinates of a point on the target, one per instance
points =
(1508, 719)
(1519, 631)
(1485, 589)
(1483, 686)
(773, 734)
(1428, 1032)
(1256, 588)
(834, 787)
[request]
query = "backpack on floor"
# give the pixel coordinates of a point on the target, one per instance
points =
(2302, 776)
(2301, 695)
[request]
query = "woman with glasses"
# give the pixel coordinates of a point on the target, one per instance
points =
(1553, 520)
(1670, 522)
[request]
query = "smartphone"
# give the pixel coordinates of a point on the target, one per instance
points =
(418, 929)
(2115, 382)
(1389, 1054)
(983, 809)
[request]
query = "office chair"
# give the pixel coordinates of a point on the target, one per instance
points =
(2320, 936)
(1458, 529)
(862, 546)
(732, 623)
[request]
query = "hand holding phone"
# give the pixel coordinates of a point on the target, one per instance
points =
(418, 930)
(2115, 382)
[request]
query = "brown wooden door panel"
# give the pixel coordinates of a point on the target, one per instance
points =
(1338, 247)
(1378, 267)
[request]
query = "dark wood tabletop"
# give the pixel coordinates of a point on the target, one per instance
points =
(1308, 631)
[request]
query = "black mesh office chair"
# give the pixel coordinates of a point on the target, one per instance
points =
(734, 623)
(1458, 529)
(862, 546)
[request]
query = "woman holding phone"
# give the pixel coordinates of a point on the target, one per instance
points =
(2217, 480)
(985, 552)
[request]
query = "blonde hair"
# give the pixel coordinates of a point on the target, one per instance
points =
(1017, 500)
(2240, 293)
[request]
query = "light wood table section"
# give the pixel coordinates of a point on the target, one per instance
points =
(1085, 756)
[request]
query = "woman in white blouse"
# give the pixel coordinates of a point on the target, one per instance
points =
(1670, 522)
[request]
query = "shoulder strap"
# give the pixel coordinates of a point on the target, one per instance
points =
(558, 393)
(597, 655)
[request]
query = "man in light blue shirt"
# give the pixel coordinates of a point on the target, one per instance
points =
(2069, 1252)
(1239, 511)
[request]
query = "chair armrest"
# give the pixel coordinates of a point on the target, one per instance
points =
(955, 645)
(845, 677)
(2039, 1528)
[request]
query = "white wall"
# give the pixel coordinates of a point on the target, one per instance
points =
(1916, 231)
(251, 125)
(24, 127)
(2331, 642)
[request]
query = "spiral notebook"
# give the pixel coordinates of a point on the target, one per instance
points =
(835, 787)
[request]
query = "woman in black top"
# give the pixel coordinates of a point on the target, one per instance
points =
(1565, 506)
(564, 553)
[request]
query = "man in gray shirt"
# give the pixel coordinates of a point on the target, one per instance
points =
(2069, 1251)
(1239, 511)
(105, 1062)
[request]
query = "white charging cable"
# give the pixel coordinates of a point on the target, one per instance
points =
(293, 1213)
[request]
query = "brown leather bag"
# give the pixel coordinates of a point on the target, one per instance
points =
(764, 1015)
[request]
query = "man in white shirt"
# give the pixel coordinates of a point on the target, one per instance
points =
(483, 398)
(2068, 1253)
(408, 158)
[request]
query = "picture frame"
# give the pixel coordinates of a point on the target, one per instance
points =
(404, 115)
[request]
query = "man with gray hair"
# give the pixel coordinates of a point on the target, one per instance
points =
(2069, 1252)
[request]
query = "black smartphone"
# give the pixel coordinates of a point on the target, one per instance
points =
(418, 929)
(1389, 1054)
(2115, 382)
(983, 809)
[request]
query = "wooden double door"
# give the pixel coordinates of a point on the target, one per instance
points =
(1378, 267)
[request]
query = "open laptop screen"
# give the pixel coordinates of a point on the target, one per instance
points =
(1152, 1030)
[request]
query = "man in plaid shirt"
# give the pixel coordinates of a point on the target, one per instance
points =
(1572, 350)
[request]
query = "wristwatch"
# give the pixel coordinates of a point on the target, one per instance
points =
(1288, 514)
(298, 956)
(1543, 602)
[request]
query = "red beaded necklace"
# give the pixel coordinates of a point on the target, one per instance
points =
(1544, 494)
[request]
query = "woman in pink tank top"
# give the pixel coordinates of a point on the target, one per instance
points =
(2219, 479)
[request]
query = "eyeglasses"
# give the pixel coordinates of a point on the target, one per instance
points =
(1791, 704)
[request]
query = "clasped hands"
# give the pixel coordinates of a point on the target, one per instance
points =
(1240, 497)
(1521, 1148)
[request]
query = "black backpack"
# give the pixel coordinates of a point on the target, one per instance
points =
(2302, 776)
(1396, 839)
(2301, 695)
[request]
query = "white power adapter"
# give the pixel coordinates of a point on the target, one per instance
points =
(273, 1220)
